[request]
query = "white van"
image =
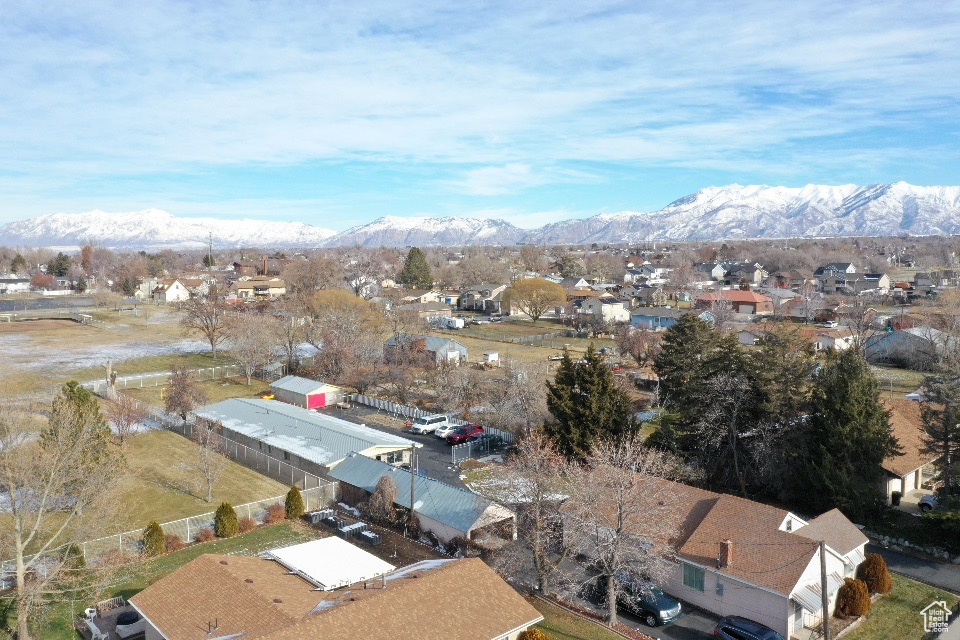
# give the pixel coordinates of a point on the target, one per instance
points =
(429, 424)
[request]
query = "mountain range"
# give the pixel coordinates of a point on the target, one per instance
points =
(713, 213)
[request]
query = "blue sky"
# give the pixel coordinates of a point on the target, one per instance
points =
(336, 113)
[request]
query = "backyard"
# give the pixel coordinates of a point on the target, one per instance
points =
(562, 625)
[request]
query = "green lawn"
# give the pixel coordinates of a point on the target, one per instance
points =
(897, 615)
(561, 625)
(164, 482)
(137, 576)
(216, 390)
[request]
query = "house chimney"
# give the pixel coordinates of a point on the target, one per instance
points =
(725, 559)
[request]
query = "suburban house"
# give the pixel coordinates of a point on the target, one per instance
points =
(908, 472)
(170, 291)
(791, 279)
(864, 282)
(711, 270)
(14, 285)
(306, 393)
(451, 298)
(647, 274)
(834, 339)
(420, 297)
(749, 272)
(259, 288)
(644, 294)
(446, 511)
(829, 275)
(739, 557)
(745, 302)
(287, 594)
(610, 309)
(443, 351)
(485, 298)
(654, 318)
(574, 284)
(245, 268)
(307, 440)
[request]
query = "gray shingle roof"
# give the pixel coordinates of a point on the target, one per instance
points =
(456, 508)
(312, 436)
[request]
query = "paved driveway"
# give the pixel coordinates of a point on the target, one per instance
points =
(694, 624)
(939, 574)
(433, 457)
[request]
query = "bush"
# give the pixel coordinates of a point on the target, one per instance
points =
(293, 505)
(154, 541)
(853, 599)
(874, 572)
(206, 535)
(533, 634)
(275, 513)
(174, 543)
(225, 523)
(247, 524)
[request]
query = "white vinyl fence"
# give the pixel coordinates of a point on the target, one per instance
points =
(161, 378)
(129, 542)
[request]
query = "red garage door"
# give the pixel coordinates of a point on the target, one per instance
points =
(316, 401)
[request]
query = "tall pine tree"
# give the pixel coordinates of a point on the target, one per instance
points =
(837, 460)
(587, 406)
(940, 412)
(416, 272)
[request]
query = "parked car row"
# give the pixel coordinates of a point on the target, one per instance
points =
(440, 426)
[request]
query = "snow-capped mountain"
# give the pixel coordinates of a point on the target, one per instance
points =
(735, 211)
(392, 231)
(714, 213)
(153, 230)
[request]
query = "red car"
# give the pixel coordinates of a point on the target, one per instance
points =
(462, 434)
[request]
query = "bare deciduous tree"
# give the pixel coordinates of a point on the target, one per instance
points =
(184, 394)
(380, 505)
(536, 479)
(207, 318)
(60, 489)
(252, 339)
(642, 346)
(125, 413)
(622, 516)
(211, 459)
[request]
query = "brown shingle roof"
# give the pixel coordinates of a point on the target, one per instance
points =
(835, 529)
(762, 554)
(183, 603)
(908, 429)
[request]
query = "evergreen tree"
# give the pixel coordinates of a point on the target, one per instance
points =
(225, 522)
(587, 406)
(687, 357)
(294, 503)
(416, 272)
(19, 264)
(75, 410)
(837, 461)
(59, 266)
(940, 412)
(781, 365)
(154, 541)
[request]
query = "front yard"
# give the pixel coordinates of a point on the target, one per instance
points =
(562, 625)
(897, 615)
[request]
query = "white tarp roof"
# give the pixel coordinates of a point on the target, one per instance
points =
(330, 563)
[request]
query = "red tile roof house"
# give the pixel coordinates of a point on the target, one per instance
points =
(770, 568)
(226, 597)
(747, 302)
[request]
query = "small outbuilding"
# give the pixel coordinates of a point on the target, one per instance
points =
(306, 393)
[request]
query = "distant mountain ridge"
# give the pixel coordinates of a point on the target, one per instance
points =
(714, 213)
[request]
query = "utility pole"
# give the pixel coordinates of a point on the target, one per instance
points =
(413, 478)
(824, 596)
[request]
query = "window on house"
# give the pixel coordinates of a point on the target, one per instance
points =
(261, 445)
(286, 455)
(693, 577)
(789, 524)
(719, 588)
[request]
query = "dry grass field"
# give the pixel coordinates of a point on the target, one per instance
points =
(216, 390)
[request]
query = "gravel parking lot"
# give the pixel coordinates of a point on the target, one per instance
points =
(433, 456)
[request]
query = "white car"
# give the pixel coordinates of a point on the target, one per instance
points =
(429, 424)
(445, 430)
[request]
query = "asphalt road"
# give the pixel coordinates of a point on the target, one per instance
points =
(433, 457)
(45, 304)
(939, 574)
